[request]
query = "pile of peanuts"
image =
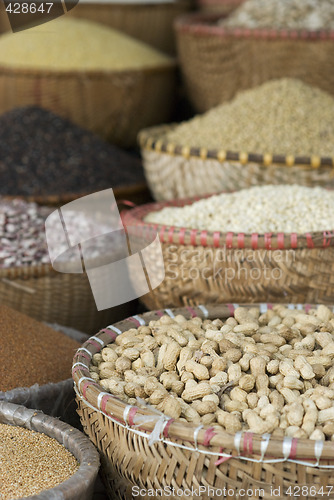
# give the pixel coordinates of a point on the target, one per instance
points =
(266, 373)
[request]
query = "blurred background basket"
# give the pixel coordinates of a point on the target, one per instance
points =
(81, 485)
(53, 297)
(115, 105)
(216, 62)
(184, 455)
(224, 7)
(151, 22)
(180, 171)
(215, 267)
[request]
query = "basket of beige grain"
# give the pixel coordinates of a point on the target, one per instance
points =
(222, 7)
(99, 78)
(259, 41)
(281, 132)
(262, 244)
(30, 284)
(43, 458)
(212, 401)
(149, 21)
(29, 375)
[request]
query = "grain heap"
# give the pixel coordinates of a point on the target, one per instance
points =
(31, 462)
(260, 209)
(312, 15)
(269, 373)
(42, 153)
(77, 45)
(283, 116)
(31, 352)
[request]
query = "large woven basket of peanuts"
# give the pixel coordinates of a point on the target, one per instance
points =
(228, 401)
(220, 55)
(262, 244)
(280, 132)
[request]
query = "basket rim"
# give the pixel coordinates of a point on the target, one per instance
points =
(83, 450)
(63, 198)
(94, 74)
(152, 139)
(178, 235)
(201, 24)
(91, 393)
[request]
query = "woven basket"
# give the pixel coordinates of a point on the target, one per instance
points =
(184, 456)
(53, 399)
(215, 267)
(150, 22)
(134, 193)
(81, 485)
(43, 293)
(223, 7)
(216, 62)
(115, 105)
(180, 171)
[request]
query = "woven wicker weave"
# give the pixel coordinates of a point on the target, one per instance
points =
(54, 297)
(78, 487)
(185, 456)
(180, 171)
(217, 63)
(115, 105)
(214, 267)
(224, 7)
(150, 22)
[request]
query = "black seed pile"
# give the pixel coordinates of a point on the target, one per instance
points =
(44, 154)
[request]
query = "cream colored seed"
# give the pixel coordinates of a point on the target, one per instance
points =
(285, 14)
(269, 209)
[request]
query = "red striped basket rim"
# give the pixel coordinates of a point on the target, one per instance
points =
(120, 412)
(219, 239)
(203, 24)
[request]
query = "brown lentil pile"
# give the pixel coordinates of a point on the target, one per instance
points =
(43, 154)
(267, 371)
(31, 352)
(283, 116)
(312, 15)
(31, 462)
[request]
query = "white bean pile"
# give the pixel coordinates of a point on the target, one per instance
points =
(312, 15)
(258, 209)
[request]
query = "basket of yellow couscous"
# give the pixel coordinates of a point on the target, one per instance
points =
(97, 77)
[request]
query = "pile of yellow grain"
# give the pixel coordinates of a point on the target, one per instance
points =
(76, 44)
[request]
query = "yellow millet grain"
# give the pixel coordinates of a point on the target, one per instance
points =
(31, 462)
(75, 44)
(283, 116)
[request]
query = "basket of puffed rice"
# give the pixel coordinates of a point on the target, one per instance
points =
(208, 402)
(281, 132)
(259, 41)
(266, 243)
